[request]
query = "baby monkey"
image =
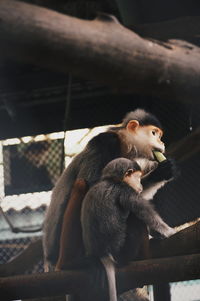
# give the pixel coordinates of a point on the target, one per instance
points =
(105, 211)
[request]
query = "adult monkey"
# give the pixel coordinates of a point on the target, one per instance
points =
(139, 135)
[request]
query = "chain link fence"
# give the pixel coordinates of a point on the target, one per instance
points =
(30, 166)
(10, 248)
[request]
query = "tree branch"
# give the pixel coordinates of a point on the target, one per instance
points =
(101, 49)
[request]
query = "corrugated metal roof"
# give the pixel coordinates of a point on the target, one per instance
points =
(30, 200)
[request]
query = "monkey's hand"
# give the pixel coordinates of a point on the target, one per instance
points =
(168, 232)
(165, 234)
(165, 171)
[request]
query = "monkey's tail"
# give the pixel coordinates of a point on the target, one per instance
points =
(109, 265)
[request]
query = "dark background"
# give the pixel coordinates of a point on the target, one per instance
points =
(33, 100)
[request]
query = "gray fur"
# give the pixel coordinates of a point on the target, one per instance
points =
(145, 211)
(60, 195)
(117, 168)
(87, 165)
(107, 205)
(109, 266)
(105, 211)
(134, 115)
(143, 117)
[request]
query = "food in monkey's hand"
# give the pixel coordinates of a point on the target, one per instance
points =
(166, 169)
(159, 156)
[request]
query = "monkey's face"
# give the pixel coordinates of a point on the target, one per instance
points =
(133, 179)
(149, 139)
(145, 139)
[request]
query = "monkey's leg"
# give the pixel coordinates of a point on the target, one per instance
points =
(137, 241)
(136, 247)
(72, 249)
(71, 244)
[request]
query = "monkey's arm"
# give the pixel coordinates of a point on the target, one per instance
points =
(145, 211)
(163, 173)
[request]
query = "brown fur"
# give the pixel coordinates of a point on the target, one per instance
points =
(71, 243)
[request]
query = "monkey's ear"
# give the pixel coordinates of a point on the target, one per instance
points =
(132, 125)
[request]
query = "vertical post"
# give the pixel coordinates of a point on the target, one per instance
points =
(161, 292)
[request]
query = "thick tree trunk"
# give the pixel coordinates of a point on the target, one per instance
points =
(101, 49)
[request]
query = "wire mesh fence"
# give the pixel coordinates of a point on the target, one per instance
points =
(30, 166)
(11, 248)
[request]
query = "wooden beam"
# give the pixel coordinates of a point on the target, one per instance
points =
(134, 275)
(186, 147)
(175, 245)
(153, 271)
(161, 291)
(101, 49)
(186, 241)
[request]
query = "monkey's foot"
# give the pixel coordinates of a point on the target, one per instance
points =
(138, 294)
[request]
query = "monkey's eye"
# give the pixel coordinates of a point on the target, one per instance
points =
(129, 172)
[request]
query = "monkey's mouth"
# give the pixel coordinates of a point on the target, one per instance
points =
(158, 150)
